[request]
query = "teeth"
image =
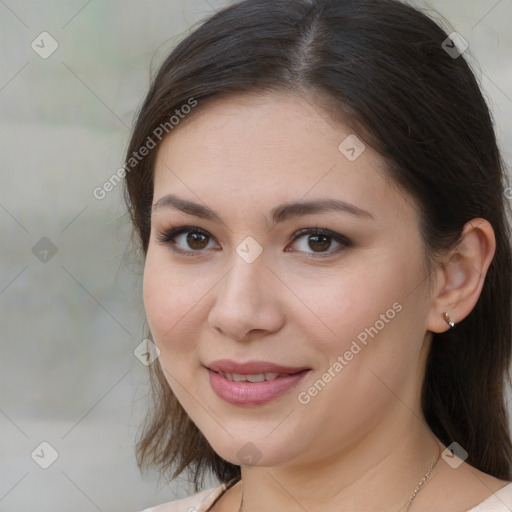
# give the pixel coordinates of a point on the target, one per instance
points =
(260, 377)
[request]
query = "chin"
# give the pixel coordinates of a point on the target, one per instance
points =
(251, 452)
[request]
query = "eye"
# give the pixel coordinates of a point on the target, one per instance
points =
(191, 241)
(185, 240)
(320, 241)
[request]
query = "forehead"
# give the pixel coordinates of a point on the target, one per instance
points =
(247, 149)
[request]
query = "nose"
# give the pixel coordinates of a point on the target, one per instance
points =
(247, 304)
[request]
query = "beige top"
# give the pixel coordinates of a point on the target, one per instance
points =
(500, 501)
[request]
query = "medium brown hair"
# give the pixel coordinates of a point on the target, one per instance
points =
(382, 68)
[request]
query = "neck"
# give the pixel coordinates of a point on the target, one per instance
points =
(378, 473)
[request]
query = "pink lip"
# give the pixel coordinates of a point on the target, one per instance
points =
(252, 393)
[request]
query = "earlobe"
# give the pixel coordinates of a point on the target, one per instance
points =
(446, 317)
(462, 277)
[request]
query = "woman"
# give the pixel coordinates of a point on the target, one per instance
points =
(319, 197)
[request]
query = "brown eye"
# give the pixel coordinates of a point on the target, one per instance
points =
(186, 240)
(196, 240)
(319, 243)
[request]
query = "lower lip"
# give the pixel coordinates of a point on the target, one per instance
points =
(253, 393)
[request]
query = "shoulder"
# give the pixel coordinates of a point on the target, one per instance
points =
(500, 501)
(199, 502)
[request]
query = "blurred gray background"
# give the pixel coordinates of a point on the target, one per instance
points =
(70, 290)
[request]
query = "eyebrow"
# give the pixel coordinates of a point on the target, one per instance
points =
(279, 214)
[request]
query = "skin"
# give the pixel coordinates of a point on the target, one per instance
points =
(242, 155)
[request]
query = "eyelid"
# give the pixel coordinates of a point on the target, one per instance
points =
(167, 236)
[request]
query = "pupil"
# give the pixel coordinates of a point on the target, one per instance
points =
(325, 241)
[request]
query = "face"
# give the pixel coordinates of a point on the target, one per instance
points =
(333, 292)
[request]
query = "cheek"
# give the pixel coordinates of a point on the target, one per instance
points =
(342, 306)
(371, 318)
(171, 302)
(172, 311)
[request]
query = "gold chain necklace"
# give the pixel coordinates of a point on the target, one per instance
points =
(409, 501)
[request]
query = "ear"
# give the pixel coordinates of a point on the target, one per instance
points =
(461, 276)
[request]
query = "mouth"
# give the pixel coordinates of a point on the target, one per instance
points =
(256, 377)
(230, 367)
(253, 383)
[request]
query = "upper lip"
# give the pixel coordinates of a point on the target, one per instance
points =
(251, 367)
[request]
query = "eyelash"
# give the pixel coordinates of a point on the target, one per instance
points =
(167, 238)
